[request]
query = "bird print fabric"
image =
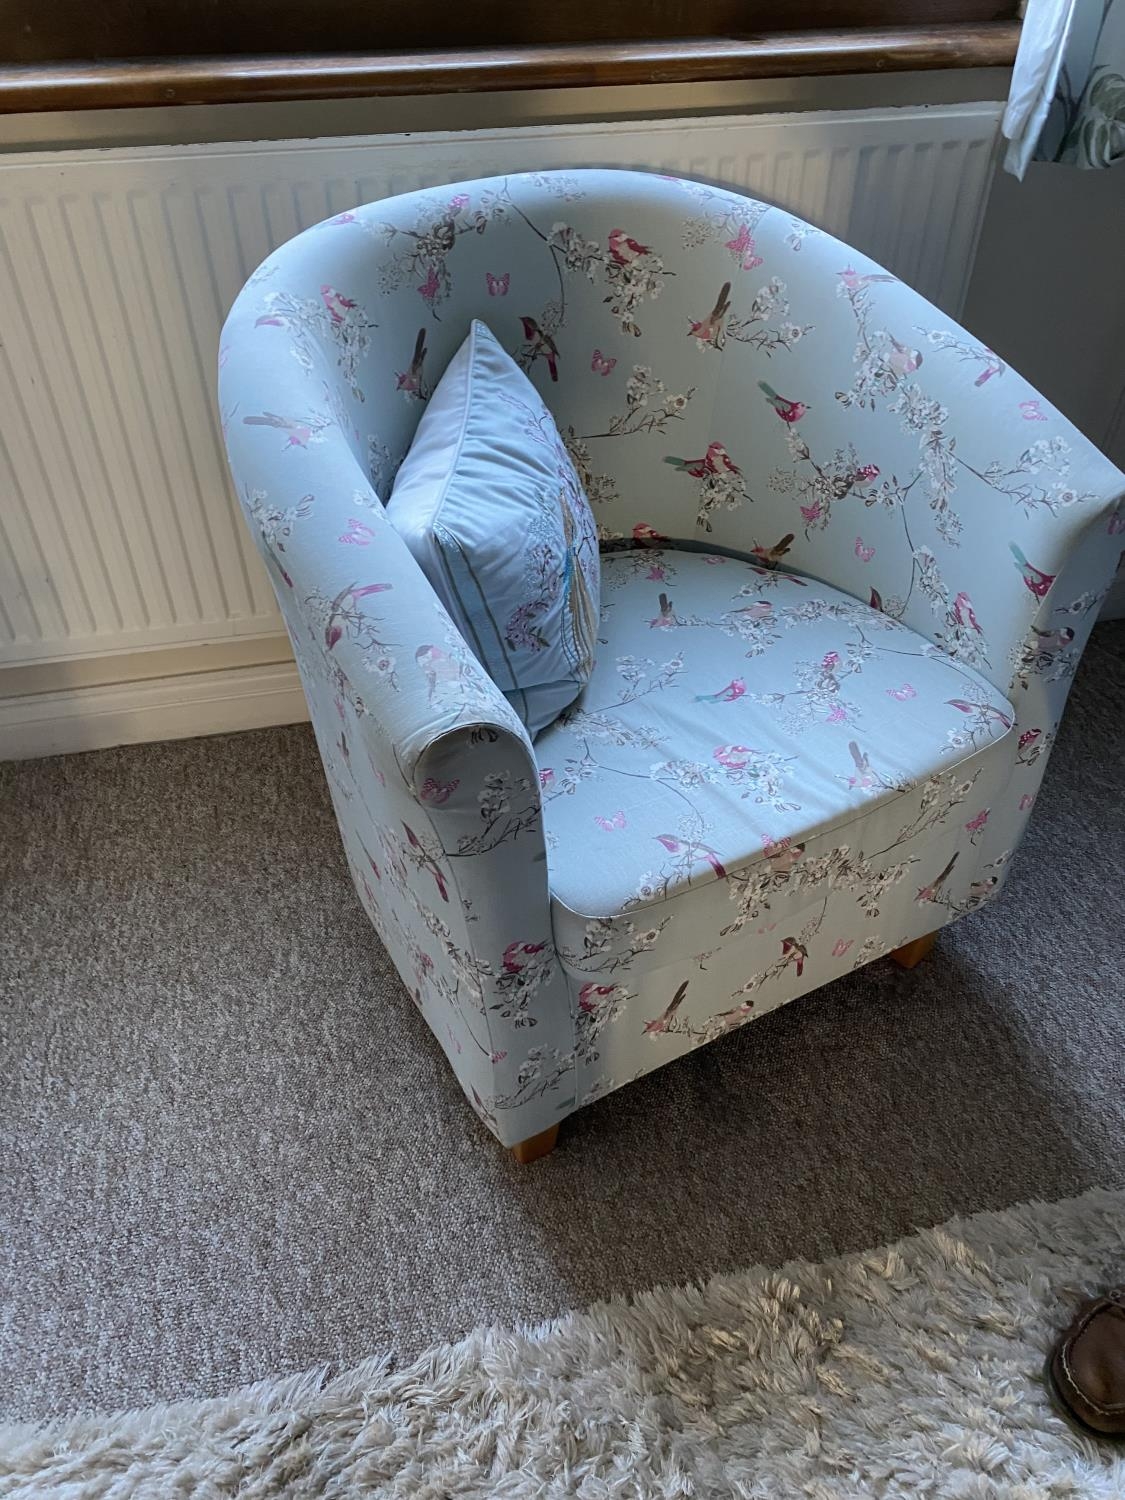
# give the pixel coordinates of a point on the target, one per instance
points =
(850, 562)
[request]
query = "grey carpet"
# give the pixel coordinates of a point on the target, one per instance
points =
(230, 1148)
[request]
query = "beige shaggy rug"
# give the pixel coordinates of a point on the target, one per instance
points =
(911, 1370)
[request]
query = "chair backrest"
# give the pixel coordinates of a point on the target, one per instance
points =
(722, 374)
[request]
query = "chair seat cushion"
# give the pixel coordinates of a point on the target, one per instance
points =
(737, 714)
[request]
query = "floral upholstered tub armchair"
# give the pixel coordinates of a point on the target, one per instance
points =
(850, 562)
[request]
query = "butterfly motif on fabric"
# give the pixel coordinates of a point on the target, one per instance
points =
(438, 792)
(359, 534)
(498, 285)
(609, 824)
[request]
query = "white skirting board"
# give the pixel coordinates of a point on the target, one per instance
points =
(118, 529)
(181, 706)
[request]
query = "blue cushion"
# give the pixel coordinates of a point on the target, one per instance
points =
(489, 504)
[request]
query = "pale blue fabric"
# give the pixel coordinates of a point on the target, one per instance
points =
(728, 376)
(489, 504)
(737, 710)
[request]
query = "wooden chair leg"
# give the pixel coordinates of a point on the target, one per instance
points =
(536, 1146)
(911, 954)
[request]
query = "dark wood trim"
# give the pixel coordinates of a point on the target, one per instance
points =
(50, 31)
(238, 80)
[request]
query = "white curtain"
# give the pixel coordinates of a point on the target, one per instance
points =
(1067, 101)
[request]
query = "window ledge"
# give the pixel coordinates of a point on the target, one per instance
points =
(240, 80)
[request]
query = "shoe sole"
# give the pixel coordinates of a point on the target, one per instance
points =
(1070, 1417)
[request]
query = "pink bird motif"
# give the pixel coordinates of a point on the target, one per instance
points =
(625, 250)
(301, 433)
(516, 956)
(647, 535)
(993, 367)
(963, 612)
(841, 946)
(1029, 737)
(540, 344)
(590, 994)
(374, 867)
(608, 825)
(498, 285)
(345, 218)
(759, 611)
(795, 953)
(975, 825)
(666, 619)
(902, 359)
(333, 630)
(934, 892)
(713, 460)
(437, 793)
(656, 574)
(864, 776)
(358, 533)
(427, 863)
(440, 668)
(733, 757)
(691, 849)
(336, 304)
(1026, 801)
(788, 411)
(743, 250)
(837, 714)
(980, 708)
(663, 1022)
(601, 364)
(782, 852)
(409, 382)
(866, 473)
(546, 777)
(902, 694)
(769, 557)
(1030, 411)
(708, 331)
(811, 513)
(1037, 581)
(429, 289)
(856, 281)
(830, 661)
(865, 554)
(729, 694)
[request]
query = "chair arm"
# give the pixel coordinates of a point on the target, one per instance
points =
(432, 776)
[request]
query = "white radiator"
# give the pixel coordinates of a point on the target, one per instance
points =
(118, 529)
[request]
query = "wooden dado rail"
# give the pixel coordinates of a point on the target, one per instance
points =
(132, 83)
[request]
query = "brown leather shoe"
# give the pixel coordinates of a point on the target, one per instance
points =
(1086, 1370)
